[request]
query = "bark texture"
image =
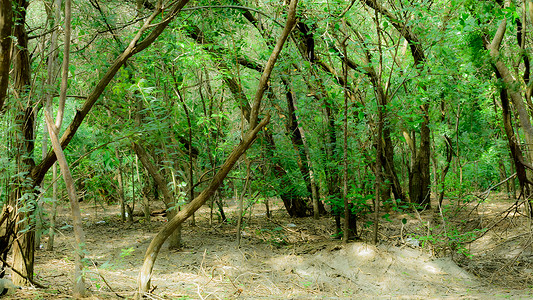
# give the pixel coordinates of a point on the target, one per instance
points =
(22, 196)
(6, 24)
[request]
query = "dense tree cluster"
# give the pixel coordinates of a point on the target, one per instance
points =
(335, 107)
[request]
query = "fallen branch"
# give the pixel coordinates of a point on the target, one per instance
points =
(22, 275)
(105, 281)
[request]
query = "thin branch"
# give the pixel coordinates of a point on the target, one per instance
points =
(22, 275)
(235, 7)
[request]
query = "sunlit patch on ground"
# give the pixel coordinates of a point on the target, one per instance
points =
(278, 259)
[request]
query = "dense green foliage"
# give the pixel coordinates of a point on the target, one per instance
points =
(187, 97)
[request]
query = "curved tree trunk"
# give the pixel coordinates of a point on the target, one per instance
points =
(145, 273)
(144, 37)
(296, 206)
(522, 161)
(155, 246)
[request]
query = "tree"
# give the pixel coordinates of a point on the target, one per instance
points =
(30, 175)
(254, 127)
(6, 23)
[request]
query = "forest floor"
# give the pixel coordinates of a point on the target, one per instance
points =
(286, 258)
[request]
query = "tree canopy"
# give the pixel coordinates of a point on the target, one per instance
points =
(349, 109)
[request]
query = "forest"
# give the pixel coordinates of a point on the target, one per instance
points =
(295, 149)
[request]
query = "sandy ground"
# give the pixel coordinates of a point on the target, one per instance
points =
(285, 258)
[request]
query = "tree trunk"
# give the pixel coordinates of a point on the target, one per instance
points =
(78, 289)
(190, 147)
(295, 205)
(53, 212)
(419, 176)
(449, 156)
(514, 147)
(6, 24)
(510, 84)
(22, 195)
(347, 209)
(241, 200)
(170, 203)
(120, 187)
(296, 137)
(155, 246)
(79, 283)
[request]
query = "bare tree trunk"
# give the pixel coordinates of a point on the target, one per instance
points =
(53, 212)
(50, 80)
(190, 153)
(381, 102)
(347, 212)
(79, 284)
(170, 203)
(39, 216)
(449, 156)
(131, 209)
(6, 24)
(241, 200)
(120, 187)
(53, 130)
(255, 126)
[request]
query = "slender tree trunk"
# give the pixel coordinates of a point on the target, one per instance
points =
(39, 215)
(120, 187)
(50, 82)
(190, 152)
(241, 201)
(419, 177)
(79, 283)
(53, 212)
(295, 135)
(514, 147)
(53, 130)
(145, 194)
(170, 203)
(347, 211)
(131, 209)
(449, 156)
(503, 176)
(6, 26)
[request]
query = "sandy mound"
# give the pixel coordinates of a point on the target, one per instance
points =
(282, 258)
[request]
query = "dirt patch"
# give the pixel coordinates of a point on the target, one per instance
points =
(281, 258)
